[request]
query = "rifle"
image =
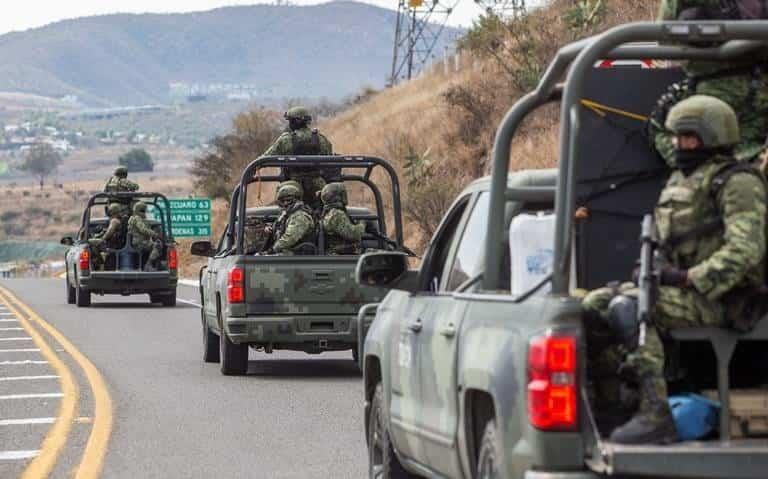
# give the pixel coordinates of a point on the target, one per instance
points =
(392, 243)
(649, 277)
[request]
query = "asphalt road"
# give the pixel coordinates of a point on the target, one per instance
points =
(173, 416)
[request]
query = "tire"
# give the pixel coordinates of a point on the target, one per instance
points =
(82, 296)
(71, 293)
(355, 355)
(210, 343)
(233, 357)
(488, 459)
(169, 299)
(382, 461)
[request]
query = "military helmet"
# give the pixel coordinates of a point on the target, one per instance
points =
(287, 193)
(293, 183)
(139, 208)
(121, 172)
(114, 209)
(712, 119)
(334, 193)
(298, 113)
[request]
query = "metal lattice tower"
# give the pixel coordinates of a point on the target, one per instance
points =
(502, 8)
(418, 29)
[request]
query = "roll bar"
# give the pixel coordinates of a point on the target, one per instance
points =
(156, 198)
(367, 163)
(739, 37)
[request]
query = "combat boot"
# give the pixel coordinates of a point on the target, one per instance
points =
(653, 423)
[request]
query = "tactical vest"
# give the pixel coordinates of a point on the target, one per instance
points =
(689, 223)
(335, 244)
(282, 223)
(723, 10)
(305, 146)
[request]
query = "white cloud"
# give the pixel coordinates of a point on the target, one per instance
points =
(21, 15)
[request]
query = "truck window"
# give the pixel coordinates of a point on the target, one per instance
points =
(435, 265)
(468, 261)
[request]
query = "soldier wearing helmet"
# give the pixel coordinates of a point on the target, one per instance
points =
(741, 82)
(112, 237)
(301, 140)
(295, 226)
(119, 182)
(710, 220)
(143, 238)
(342, 236)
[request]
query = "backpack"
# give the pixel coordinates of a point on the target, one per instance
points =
(726, 10)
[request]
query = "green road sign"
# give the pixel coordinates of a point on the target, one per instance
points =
(190, 217)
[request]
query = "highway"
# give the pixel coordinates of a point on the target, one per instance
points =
(119, 390)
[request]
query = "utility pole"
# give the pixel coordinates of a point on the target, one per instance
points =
(417, 31)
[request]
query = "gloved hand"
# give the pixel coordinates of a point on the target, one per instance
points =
(671, 276)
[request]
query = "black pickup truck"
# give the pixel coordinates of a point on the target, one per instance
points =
(121, 271)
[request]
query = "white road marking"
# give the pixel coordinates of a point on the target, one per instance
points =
(19, 363)
(11, 329)
(24, 422)
(17, 455)
(15, 339)
(189, 282)
(31, 396)
(197, 305)
(28, 378)
(9, 320)
(30, 350)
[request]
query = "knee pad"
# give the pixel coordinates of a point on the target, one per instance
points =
(622, 319)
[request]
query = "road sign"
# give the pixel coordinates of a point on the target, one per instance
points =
(190, 217)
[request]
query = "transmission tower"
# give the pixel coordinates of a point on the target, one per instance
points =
(502, 8)
(418, 29)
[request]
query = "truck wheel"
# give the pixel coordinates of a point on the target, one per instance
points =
(210, 342)
(71, 293)
(355, 355)
(382, 461)
(82, 296)
(169, 299)
(234, 357)
(488, 457)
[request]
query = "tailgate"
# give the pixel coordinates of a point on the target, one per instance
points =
(315, 285)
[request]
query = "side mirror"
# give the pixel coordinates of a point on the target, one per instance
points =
(201, 248)
(67, 241)
(386, 270)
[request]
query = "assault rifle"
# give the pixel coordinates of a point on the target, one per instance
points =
(391, 243)
(648, 278)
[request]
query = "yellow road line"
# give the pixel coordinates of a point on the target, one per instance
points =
(56, 437)
(92, 460)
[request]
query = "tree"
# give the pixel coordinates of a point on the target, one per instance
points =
(137, 160)
(41, 160)
(217, 171)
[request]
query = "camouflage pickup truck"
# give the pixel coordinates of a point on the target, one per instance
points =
(120, 269)
(471, 370)
(305, 302)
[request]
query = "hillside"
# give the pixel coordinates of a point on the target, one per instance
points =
(328, 50)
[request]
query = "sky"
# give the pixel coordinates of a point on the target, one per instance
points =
(24, 14)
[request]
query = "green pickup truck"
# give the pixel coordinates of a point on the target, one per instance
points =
(475, 365)
(305, 302)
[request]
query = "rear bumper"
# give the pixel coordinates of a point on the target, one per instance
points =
(128, 282)
(307, 333)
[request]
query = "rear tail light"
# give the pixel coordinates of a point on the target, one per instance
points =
(552, 388)
(236, 285)
(173, 258)
(85, 260)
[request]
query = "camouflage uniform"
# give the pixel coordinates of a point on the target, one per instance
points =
(341, 235)
(143, 238)
(303, 140)
(722, 264)
(740, 83)
(111, 238)
(295, 225)
(119, 183)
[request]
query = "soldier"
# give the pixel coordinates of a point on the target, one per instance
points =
(111, 238)
(301, 140)
(740, 83)
(143, 238)
(295, 226)
(342, 236)
(711, 227)
(119, 182)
